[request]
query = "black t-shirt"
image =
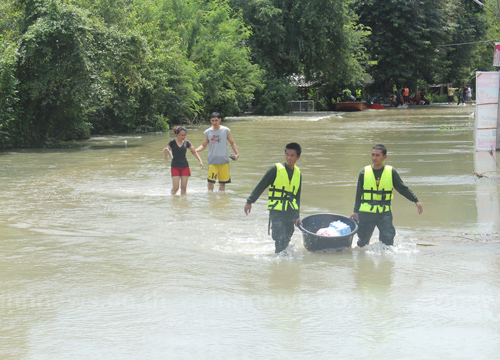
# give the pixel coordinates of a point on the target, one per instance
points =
(179, 153)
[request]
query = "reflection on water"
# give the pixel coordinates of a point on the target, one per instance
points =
(100, 261)
(487, 195)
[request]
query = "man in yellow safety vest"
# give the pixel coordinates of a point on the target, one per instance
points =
(372, 205)
(284, 181)
(359, 94)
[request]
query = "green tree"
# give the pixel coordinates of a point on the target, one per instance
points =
(111, 12)
(175, 92)
(292, 36)
(318, 39)
(9, 34)
(274, 97)
(54, 69)
(200, 62)
(404, 35)
(10, 15)
(79, 77)
(484, 51)
(115, 101)
(466, 27)
(214, 38)
(8, 90)
(163, 86)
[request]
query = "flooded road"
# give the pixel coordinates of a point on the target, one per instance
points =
(99, 261)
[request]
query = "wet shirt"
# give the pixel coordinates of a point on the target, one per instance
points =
(267, 180)
(217, 145)
(397, 183)
(179, 153)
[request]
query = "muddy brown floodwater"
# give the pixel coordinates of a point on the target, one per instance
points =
(99, 261)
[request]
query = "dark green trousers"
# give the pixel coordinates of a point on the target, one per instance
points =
(282, 227)
(367, 223)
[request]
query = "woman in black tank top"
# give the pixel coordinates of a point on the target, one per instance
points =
(176, 149)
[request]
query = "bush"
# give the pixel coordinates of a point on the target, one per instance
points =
(435, 98)
(274, 98)
(322, 104)
(8, 91)
(55, 71)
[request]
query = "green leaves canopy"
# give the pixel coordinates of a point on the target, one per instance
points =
(70, 68)
(410, 38)
(54, 69)
(317, 39)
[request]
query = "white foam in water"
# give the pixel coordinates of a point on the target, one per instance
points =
(380, 249)
(250, 246)
(321, 117)
(289, 254)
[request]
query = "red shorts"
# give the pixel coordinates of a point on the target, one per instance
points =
(175, 171)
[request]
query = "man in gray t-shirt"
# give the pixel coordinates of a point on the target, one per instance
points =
(216, 138)
(218, 152)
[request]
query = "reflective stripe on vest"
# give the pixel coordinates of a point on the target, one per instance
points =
(283, 190)
(377, 199)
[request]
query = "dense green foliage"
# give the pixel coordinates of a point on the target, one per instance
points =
(490, 18)
(54, 69)
(72, 68)
(404, 34)
(422, 39)
(459, 60)
(318, 39)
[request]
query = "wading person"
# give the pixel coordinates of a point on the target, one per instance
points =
(216, 138)
(284, 182)
(469, 94)
(179, 169)
(451, 96)
(372, 205)
(406, 95)
(459, 96)
(358, 94)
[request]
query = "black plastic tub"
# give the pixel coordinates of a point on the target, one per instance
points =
(312, 223)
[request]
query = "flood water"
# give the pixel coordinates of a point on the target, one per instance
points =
(99, 261)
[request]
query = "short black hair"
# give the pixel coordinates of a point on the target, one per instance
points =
(215, 115)
(380, 147)
(294, 146)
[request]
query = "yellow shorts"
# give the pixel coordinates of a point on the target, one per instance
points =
(219, 172)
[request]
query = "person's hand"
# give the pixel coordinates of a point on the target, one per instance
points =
(236, 156)
(355, 216)
(298, 222)
(166, 154)
(201, 164)
(248, 208)
(419, 207)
